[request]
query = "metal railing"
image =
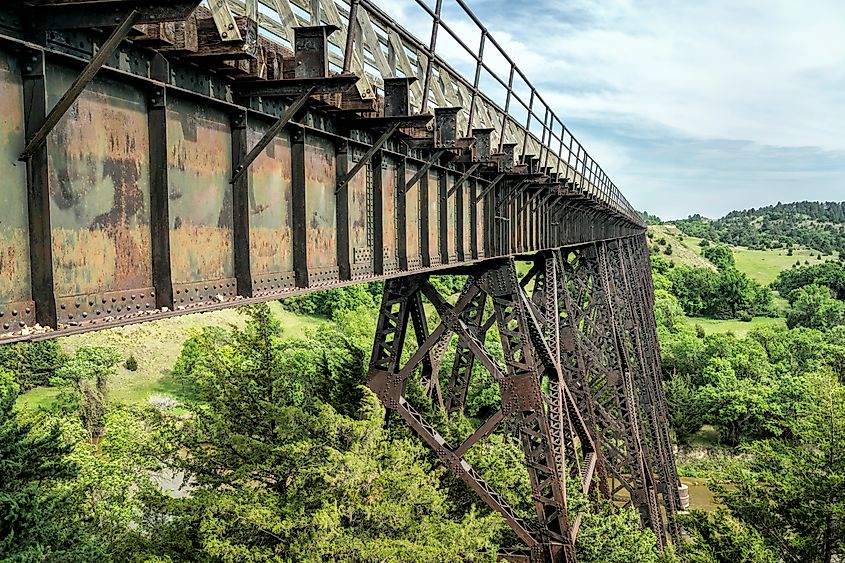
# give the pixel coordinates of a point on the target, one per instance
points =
(385, 48)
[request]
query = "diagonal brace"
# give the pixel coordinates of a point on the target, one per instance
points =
(367, 156)
(423, 169)
(492, 185)
(271, 134)
(85, 77)
(463, 178)
(511, 193)
(528, 202)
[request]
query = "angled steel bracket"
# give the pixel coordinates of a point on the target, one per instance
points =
(464, 178)
(224, 21)
(492, 185)
(84, 78)
(271, 134)
(367, 156)
(424, 169)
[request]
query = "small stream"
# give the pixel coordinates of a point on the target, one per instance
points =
(700, 495)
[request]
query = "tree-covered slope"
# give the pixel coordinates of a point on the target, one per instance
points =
(812, 224)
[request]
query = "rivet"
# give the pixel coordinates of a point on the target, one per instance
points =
(14, 312)
(6, 326)
(84, 315)
(63, 306)
(114, 299)
(70, 317)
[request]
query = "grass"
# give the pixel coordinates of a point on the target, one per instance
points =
(156, 345)
(761, 265)
(738, 328)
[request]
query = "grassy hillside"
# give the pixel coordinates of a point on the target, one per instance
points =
(156, 345)
(761, 265)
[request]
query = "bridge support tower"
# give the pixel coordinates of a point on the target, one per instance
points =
(578, 374)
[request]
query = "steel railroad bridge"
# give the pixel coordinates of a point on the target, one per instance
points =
(161, 157)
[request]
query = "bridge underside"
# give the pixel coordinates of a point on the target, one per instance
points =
(580, 385)
(131, 208)
(158, 158)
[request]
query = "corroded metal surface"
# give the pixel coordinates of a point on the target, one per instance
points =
(270, 219)
(360, 247)
(452, 219)
(413, 221)
(320, 219)
(16, 307)
(433, 210)
(388, 209)
(99, 198)
(201, 239)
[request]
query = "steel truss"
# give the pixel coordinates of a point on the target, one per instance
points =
(580, 382)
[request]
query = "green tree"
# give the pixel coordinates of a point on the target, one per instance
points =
(687, 412)
(39, 516)
(791, 493)
(719, 538)
(278, 473)
(83, 380)
(720, 255)
(32, 363)
(813, 307)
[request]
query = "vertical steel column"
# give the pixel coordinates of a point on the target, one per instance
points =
(402, 214)
(38, 189)
(160, 185)
(299, 233)
(443, 209)
(344, 263)
(378, 213)
(240, 206)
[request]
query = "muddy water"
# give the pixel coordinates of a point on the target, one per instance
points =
(700, 496)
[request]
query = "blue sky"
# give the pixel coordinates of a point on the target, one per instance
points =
(690, 107)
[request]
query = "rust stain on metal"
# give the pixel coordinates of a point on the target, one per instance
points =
(479, 222)
(99, 190)
(412, 214)
(200, 161)
(270, 220)
(320, 202)
(359, 250)
(468, 226)
(452, 221)
(388, 213)
(14, 239)
(434, 216)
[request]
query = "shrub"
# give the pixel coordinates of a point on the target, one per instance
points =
(131, 363)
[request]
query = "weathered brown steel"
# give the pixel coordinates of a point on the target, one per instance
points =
(575, 390)
(179, 179)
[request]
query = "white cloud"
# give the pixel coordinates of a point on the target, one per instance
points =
(769, 72)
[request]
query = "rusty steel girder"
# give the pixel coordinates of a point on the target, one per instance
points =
(176, 160)
(580, 382)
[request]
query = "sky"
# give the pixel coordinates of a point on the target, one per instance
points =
(690, 107)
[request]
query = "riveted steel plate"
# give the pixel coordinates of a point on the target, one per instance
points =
(16, 307)
(270, 218)
(452, 220)
(359, 239)
(98, 156)
(433, 217)
(388, 213)
(466, 206)
(412, 214)
(200, 165)
(320, 203)
(479, 220)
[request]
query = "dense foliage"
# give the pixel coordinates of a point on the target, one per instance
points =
(723, 294)
(811, 224)
(650, 219)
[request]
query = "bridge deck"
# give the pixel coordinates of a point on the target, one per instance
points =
(129, 210)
